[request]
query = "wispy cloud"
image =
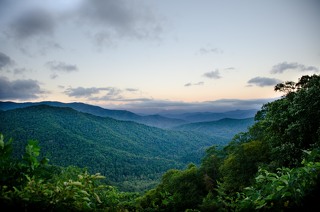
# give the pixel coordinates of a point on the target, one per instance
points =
(208, 50)
(111, 20)
(5, 60)
(19, 89)
(263, 81)
(192, 84)
(61, 66)
(105, 22)
(284, 66)
(84, 92)
(18, 71)
(213, 74)
(230, 68)
(35, 22)
(132, 89)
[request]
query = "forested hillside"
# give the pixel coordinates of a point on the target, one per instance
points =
(274, 166)
(130, 155)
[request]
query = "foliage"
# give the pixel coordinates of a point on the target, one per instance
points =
(292, 123)
(69, 189)
(178, 191)
(275, 191)
(239, 167)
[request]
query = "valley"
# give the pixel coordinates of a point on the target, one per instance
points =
(125, 147)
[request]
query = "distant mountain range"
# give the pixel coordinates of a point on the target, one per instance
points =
(124, 115)
(211, 116)
(225, 127)
(162, 120)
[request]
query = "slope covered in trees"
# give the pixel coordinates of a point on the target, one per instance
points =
(274, 166)
(128, 154)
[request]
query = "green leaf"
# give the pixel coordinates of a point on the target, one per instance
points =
(279, 188)
(1, 141)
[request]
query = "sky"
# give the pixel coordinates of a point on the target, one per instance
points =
(149, 56)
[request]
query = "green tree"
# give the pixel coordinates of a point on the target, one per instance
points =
(292, 123)
(240, 166)
(179, 190)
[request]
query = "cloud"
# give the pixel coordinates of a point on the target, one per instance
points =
(229, 68)
(213, 74)
(61, 66)
(103, 21)
(104, 94)
(17, 71)
(132, 89)
(5, 60)
(263, 81)
(192, 84)
(83, 92)
(19, 89)
(284, 66)
(110, 20)
(32, 23)
(54, 76)
(210, 50)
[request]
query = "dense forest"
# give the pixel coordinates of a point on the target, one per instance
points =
(273, 166)
(130, 155)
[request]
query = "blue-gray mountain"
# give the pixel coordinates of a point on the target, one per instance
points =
(162, 120)
(211, 116)
(225, 128)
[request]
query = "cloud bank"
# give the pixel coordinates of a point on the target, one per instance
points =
(83, 92)
(110, 20)
(285, 66)
(103, 21)
(263, 81)
(35, 22)
(19, 89)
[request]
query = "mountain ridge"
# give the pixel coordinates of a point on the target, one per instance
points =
(124, 115)
(226, 127)
(160, 120)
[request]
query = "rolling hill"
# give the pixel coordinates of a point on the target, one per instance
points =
(129, 154)
(150, 120)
